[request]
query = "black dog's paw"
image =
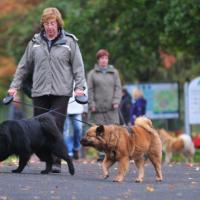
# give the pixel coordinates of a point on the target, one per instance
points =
(44, 172)
(16, 171)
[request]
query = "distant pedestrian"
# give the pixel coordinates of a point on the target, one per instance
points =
(125, 108)
(73, 127)
(138, 107)
(104, 91)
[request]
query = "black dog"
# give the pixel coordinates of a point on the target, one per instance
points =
(38, 135)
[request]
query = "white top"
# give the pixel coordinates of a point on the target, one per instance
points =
(76, 108)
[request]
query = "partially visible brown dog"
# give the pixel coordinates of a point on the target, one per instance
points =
(121, 146)
(182, 144)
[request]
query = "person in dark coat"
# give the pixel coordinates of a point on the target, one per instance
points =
(139, 106)
(125, 108)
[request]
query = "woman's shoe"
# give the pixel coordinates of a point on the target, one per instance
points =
(76, 154)
(56, 169)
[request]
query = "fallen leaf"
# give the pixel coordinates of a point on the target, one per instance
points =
(171, 187)
(197, 168)
(25, 188)
(149, 189)
(93, 162)
(189, 165)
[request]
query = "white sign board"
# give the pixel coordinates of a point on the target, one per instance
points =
(194, 101)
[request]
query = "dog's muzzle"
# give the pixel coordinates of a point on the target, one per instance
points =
(85, 142)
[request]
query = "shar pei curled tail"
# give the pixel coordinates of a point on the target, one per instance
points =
(122, 144)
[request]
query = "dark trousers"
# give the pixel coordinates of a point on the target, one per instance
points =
(50, 102)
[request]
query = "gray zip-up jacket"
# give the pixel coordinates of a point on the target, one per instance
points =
(54, 69)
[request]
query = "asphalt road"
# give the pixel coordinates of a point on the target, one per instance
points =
(181, 181)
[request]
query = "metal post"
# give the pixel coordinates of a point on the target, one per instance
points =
(186, 108)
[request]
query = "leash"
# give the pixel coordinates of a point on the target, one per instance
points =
(8, 99)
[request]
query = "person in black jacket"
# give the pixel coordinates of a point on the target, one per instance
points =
(125, 107)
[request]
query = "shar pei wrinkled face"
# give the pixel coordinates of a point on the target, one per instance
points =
(99, 136)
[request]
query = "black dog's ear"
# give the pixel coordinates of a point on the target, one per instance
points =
(100, 130)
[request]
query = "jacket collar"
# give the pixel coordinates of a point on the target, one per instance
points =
(110, 68)
(59, 40)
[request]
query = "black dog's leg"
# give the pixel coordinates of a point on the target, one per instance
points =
(23, 160)
(48, 168)
(44, 155)
(60, 151)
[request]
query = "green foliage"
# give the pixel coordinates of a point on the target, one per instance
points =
(129, 30)
(182, 18)
(133, 32)
(197, 156)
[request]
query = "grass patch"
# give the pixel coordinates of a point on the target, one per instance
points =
(90, 152)
(197, 156)
(12, 160)
(178, 158)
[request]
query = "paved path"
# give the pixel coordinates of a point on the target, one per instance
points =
(181, 181)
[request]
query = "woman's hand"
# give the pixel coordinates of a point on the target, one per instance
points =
(93, 109)
(79, 92)
(12, 92)
(115, 106)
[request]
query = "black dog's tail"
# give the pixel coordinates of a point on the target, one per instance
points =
(49, 126)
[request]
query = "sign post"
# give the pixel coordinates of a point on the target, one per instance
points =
(194, 101)
(186, 103)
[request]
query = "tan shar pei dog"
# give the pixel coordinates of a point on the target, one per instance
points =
(122, 144)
